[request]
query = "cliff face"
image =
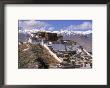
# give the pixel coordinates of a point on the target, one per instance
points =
(29, 54)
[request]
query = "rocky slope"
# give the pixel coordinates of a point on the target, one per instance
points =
(29, 55)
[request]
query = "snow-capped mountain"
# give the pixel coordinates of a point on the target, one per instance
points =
(67, 32)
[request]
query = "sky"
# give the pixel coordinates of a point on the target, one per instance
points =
(56, 25)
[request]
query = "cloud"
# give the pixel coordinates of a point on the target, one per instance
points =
(40, 25)
(51, 28)
(81, 27)
(32, 24)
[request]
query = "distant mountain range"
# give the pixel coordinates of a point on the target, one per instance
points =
(68, 32)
